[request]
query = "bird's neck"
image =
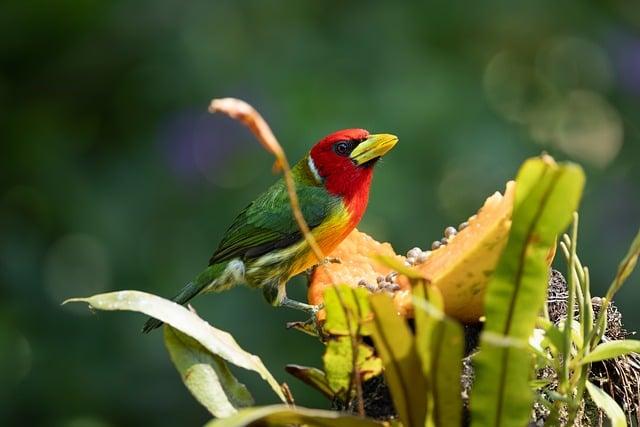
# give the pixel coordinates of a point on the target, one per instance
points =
(352, 186)
(356, 197)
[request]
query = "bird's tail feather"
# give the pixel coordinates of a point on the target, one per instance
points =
(190, 290)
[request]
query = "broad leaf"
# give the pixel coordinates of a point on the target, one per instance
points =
(440, 345)
(339, 364)
(347, 309)
(206, 375)
(281, 415)
(612, 349)
(546, 196)
(402, 366)
(313, 377)
(607, 404)
(214, 340)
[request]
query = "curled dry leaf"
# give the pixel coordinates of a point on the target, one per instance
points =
(242, 111)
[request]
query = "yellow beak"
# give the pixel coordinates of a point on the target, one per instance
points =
(372, 148)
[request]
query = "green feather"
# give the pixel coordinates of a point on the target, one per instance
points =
(268, 222)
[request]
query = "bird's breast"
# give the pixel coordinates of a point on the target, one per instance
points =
(288, 262)
(329, 234)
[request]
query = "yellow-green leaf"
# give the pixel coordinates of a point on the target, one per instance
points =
(626, 267)
(402, 367)
(349, 308)
(313, 377)
(397, 265)
(546, 196)
(440, 345)
(216, 341)
(281, 415)
(206, 375)
(607, 404)
(338, 364)
(612, 349)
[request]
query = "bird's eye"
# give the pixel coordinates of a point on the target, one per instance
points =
(343, 148)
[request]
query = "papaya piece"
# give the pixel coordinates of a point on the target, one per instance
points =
(357, 268)
(460, 268)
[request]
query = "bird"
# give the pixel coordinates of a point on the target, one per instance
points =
(263, 248)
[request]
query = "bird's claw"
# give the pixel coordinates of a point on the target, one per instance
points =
(311, 326)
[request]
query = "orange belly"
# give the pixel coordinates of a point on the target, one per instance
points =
(328, 235)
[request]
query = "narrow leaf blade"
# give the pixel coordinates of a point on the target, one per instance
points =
(440, 345)
(546, 196)
(313, 377)
(612, 349)
(216, 341)
(281, 415)
(206, 375)
(607, 404)
(402, 367)
(627, 266)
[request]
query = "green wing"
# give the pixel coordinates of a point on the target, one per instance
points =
(268, 222)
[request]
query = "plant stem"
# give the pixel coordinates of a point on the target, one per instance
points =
(565, 385)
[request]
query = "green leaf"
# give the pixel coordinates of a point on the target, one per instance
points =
(313, 377)
(339, 364)
(607, 404)
(216, 341)
(352, 314)
(281, 415)
(395, 264)
(546, 196)
(206, 375)
(402, 366)
(612, 349)
(626, 267)
(552, 334)
(347, 309)
(440, 345)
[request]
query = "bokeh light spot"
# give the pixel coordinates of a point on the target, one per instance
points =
(572, 63)
(512, 87)
(589, 128)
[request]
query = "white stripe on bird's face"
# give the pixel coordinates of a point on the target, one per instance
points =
(314, 170)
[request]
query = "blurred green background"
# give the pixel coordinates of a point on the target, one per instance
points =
(114, 176)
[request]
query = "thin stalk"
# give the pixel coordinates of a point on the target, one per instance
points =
(624, 270)
(566, 360)
(587, 310)
(568, 324)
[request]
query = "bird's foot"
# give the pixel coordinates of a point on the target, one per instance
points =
(311, 326)
(301, 306)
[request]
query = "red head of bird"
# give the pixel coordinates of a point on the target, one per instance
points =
(344, 162)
